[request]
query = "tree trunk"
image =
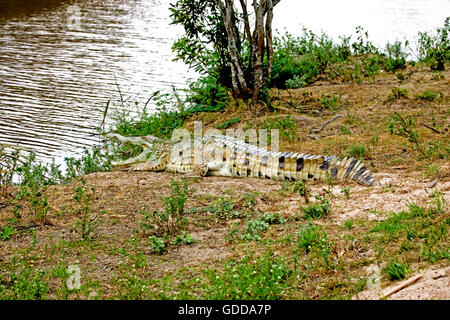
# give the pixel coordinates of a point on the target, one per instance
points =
(249, 83)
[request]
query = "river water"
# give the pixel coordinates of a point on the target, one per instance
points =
(60, 60)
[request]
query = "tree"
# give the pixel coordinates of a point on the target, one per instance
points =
(221, 42)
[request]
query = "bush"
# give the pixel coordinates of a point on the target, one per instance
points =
(434, 50)
(172, 219)
(207, 95)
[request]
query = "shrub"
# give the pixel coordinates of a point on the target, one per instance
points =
(172, 219)
(396, 57)
(434, 50)
(207, 95)
(88, 221)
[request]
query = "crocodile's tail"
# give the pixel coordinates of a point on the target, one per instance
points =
(316, 167)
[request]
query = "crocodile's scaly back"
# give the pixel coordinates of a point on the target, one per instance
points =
(227, 156)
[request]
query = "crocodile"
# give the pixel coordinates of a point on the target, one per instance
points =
(228, 156)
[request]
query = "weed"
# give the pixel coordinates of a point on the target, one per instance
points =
(432, 170)
(184, 238)
(224, 209)
(357, 151)
(88, 221)
(330, 102)
(312, 238)
(302, 189)
(272, 218)
(157, 245)
(349, 224)
(92, 161)
(397, 93)
(428, 95)
(254, 229)
(395, 271)
(346, 191)
(317, 210)
(6, 232)
(172, 219)
(346, 130)
(252, 278)
(405, 127)
(23, 282)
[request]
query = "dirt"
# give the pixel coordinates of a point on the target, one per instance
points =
(401, 179)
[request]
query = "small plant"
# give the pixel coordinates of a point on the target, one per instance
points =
(254, 229)
(330, 102)
(346, 130)
(172, 219)
(346, 191)
(92, 161)
(357, 151)
(22, 281)
(349, 224)
(259, 278)
(396, 56)
(397, 93)
(395, 271)
(405, 128)
(88, 221)
(157, 245)
(311, 237)
(302, 189)
(434, 49)
(272, 218)
(432, 170)
(184, 238)
(428, 95)
(224, 209)
(317, 210)
(6, 232)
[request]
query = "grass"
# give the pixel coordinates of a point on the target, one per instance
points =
(245, 239)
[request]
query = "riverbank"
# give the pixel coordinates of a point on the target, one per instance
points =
(364, 239)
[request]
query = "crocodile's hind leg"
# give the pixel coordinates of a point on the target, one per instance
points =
(198, 170)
